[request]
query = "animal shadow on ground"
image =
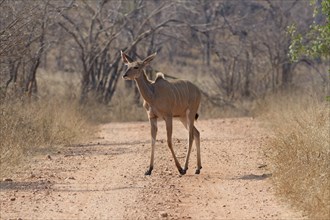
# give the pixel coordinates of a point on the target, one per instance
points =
(255, 177)
(11, 185)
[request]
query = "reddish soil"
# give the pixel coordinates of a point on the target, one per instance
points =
(104, 179)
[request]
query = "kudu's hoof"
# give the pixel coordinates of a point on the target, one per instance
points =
(148, 172)
(198, 171)
(182, 171)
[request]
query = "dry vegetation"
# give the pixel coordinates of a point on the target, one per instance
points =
(300, 151)
(49, 121)
(25, 127)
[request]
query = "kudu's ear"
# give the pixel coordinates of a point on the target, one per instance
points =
(147, 60)
(126, 59)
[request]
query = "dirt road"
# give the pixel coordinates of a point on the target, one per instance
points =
(104, 179)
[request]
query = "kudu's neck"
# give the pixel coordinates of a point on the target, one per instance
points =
(145, 87)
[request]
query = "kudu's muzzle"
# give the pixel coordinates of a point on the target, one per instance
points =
(125, 76)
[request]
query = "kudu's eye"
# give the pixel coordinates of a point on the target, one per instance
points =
(136, 67)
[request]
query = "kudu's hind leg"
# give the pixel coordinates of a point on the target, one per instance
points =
(169, 128)
(153, 124)
(193, 135)
(197, 142)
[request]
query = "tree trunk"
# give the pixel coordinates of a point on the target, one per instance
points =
(286, 75)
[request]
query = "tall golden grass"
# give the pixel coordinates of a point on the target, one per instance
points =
(27, 127)
(52, 119)
(300, 151)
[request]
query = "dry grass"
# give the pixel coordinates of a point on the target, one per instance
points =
(27, 127)
(52, 119)
(300, 151)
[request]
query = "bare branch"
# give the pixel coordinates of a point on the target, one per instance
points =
(74, 35)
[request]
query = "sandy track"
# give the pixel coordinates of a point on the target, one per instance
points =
(104, 179)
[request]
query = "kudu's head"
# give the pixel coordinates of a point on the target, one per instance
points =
(135, 68)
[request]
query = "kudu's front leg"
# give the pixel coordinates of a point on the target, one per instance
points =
(153, 125)
(190, 142)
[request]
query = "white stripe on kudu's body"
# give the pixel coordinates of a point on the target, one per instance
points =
(165, 100)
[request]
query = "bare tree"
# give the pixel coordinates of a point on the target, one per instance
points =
(252, 47)
(22, 40)
(105, 22)
(278, 15)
